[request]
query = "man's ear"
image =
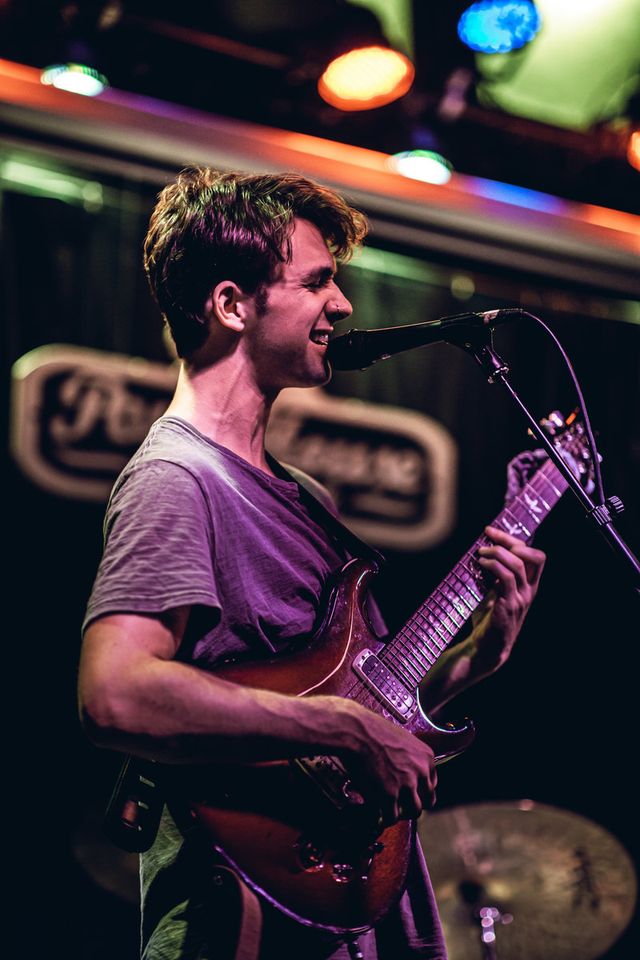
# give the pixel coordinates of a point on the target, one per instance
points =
(228, 304)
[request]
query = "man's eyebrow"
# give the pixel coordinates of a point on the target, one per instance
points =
(318, 274)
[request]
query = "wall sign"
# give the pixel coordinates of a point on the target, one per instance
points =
(77, 416)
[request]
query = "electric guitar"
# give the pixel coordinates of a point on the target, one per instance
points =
(302, 833)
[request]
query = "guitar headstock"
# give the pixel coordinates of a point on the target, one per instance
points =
(569, 437)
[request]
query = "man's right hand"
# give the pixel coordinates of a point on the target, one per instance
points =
(399, 767)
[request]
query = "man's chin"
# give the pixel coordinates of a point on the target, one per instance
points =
(315, 378)
(325, 376)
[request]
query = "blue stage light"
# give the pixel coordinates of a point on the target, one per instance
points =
(498, 26)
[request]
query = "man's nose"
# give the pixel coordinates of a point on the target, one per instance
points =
(338, 307)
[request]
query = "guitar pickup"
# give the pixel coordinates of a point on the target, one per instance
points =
(386, 687)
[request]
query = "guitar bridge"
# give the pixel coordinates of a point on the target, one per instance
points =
(392, 694)
(330, 775)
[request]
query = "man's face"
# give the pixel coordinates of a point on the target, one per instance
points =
(287, 342)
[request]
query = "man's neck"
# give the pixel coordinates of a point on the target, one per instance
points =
(220, 404)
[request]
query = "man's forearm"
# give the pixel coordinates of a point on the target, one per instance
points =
(176, 713)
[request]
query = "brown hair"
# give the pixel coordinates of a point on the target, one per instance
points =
(209, 226)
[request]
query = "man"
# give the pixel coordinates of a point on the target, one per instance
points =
(212, 551)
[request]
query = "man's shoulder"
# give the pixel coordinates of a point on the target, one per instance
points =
(169, 462)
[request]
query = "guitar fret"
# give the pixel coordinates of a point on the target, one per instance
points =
(420, 648)
(535, 520)
(459, 590)
(398, 667)
(457, 598)
(432, 621)
(547, 506)
(529, 498)
(441, 620)
(512, 528)
(410, 667)
(430, 649)
(447, 611)
(557, 492)
(434, 645)
(458, 572)
(431, 645)
(473, 580)
(429, 659)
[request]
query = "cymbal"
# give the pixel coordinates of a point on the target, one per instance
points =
(109, 867)
(563, 887)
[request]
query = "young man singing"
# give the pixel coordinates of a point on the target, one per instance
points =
(213, 552)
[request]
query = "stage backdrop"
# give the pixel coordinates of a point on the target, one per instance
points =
(557, 725)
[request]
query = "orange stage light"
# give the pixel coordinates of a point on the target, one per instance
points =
(366, 78)
(633, 149)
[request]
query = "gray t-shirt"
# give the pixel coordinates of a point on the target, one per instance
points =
(191, 523)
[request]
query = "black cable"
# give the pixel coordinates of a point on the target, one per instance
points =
(595, 457)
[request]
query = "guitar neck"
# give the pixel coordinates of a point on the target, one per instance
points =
(433, 627)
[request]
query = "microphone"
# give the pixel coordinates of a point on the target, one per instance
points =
(358, 349)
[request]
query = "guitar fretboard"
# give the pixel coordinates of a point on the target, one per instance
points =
(417, 646)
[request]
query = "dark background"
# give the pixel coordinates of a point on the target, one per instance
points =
(556, 725)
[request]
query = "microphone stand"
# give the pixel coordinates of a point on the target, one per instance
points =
(478, 341)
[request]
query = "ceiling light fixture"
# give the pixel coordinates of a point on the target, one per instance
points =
(365, 78)
(74, 77)
(426, 165)
(498, 26)
(633, 149)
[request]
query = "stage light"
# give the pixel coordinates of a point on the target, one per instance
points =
(426, 165)
(498, 26)
(365, 78)
(74, 77)
(633, 149)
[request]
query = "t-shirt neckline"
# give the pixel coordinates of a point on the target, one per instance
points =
(290, 486)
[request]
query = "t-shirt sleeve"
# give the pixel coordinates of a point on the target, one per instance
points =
(159, 547)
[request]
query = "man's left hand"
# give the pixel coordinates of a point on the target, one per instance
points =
(517, 569)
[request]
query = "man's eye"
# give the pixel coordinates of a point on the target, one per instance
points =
(319, 284)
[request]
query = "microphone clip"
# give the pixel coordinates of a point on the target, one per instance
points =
(478, 341)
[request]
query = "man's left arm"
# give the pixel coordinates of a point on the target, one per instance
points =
(517, 569)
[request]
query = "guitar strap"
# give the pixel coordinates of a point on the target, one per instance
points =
(321, 513)
(236, 894)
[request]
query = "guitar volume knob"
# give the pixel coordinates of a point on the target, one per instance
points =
(343, 872)
(310, 856)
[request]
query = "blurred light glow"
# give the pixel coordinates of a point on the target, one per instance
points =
(518, 196)
(462, 287)
(45, 182)
(426, 165)
(498, 26)
(572, 11)
(633, 149)
(366, 78)
(74, 77)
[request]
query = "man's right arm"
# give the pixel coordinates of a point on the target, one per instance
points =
(135, 697)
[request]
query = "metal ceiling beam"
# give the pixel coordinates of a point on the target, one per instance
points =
(587, 245)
